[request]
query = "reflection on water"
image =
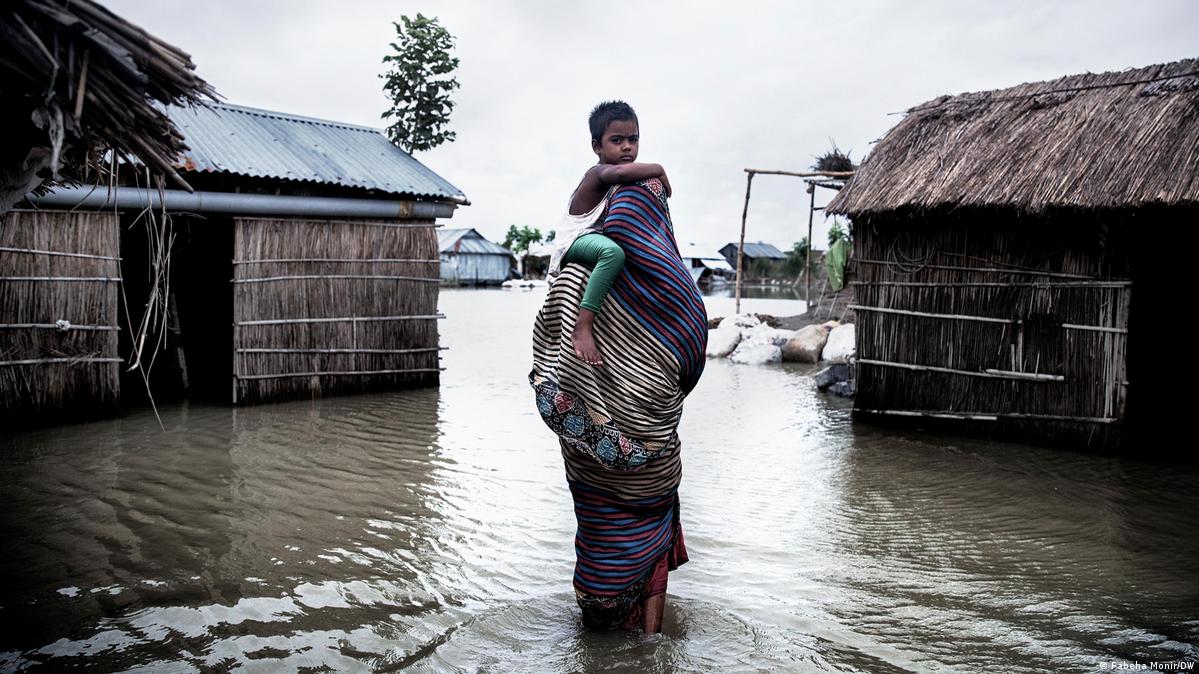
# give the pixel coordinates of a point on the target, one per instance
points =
(781, 300)
(432, 531)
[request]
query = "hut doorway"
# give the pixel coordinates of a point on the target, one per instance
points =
(190, 356)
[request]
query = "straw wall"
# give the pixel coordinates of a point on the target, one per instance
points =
(58, 266)
(1016, 325)
(329, 307)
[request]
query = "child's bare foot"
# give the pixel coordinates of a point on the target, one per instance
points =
(583, 340)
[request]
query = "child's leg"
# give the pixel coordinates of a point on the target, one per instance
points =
(606, 259)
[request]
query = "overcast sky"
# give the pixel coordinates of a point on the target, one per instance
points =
(718, 86)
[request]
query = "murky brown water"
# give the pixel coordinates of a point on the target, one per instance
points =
(433, 530)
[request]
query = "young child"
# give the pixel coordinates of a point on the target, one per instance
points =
(614, 139)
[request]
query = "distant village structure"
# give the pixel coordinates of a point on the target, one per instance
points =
(759, 258)
(469, 258)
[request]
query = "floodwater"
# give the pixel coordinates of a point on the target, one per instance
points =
(432, 531)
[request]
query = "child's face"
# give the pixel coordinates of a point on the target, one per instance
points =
(618, 144)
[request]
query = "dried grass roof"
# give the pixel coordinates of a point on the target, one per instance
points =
(1093, 140)
(89, 78)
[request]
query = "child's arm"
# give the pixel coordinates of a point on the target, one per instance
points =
(621, 174)
(597, 179)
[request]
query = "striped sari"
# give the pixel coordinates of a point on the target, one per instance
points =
(617, 423)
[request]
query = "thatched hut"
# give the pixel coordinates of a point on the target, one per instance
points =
(304, 264)
(1012, 256)
(77, 82)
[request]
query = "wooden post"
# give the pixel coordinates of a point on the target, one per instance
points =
(807, 298)
(236, 360)
(749, 181)
(354, 335)
(176, 331)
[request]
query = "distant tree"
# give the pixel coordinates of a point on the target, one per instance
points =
(763, 268)
(419, 83)
(796, 257)
(519, 239)
(550, 237)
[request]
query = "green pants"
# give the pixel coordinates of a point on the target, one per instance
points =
(605, 259)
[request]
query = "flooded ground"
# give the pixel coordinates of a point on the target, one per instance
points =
(432, 531)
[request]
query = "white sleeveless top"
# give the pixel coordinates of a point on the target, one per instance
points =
(571, 227)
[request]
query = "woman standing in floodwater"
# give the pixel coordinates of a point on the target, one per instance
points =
(617, 422)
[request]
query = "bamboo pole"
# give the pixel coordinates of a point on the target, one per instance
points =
(749, 180)
(986, 319)
(420, 350)
(33, 251)
(325, 277)
(343, 373)
(820, 299)
(55, 326)
(85, 279)
(364, 223)
(44, 361)
(1095, 328)
(979, 416)
(348, 260)
(236, 360)
(924, 314)
(176, 330)
(79, 90)
(947, 370)
(983, 284)
(807, 298)
(1026, 272)
(354, 337)
(339, 319)
(807, 174)
(1026, 375)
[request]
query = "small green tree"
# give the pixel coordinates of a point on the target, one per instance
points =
(419, 83)
(796, 257)
(518, 240)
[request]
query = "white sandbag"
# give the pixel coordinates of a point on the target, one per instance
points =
(840, 344)
(756, 352)
(806, 346)
(723, 340)
(765, 333)
(741, 321)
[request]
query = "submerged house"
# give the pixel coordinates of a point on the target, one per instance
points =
(1012, 257)
(707, 268)
(304, 264)
(468, 258)
(761, 256)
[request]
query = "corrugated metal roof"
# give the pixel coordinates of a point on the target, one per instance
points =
(468, 241)
(717, 265)
(264, 144)
(759, 249)
(756, 250)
